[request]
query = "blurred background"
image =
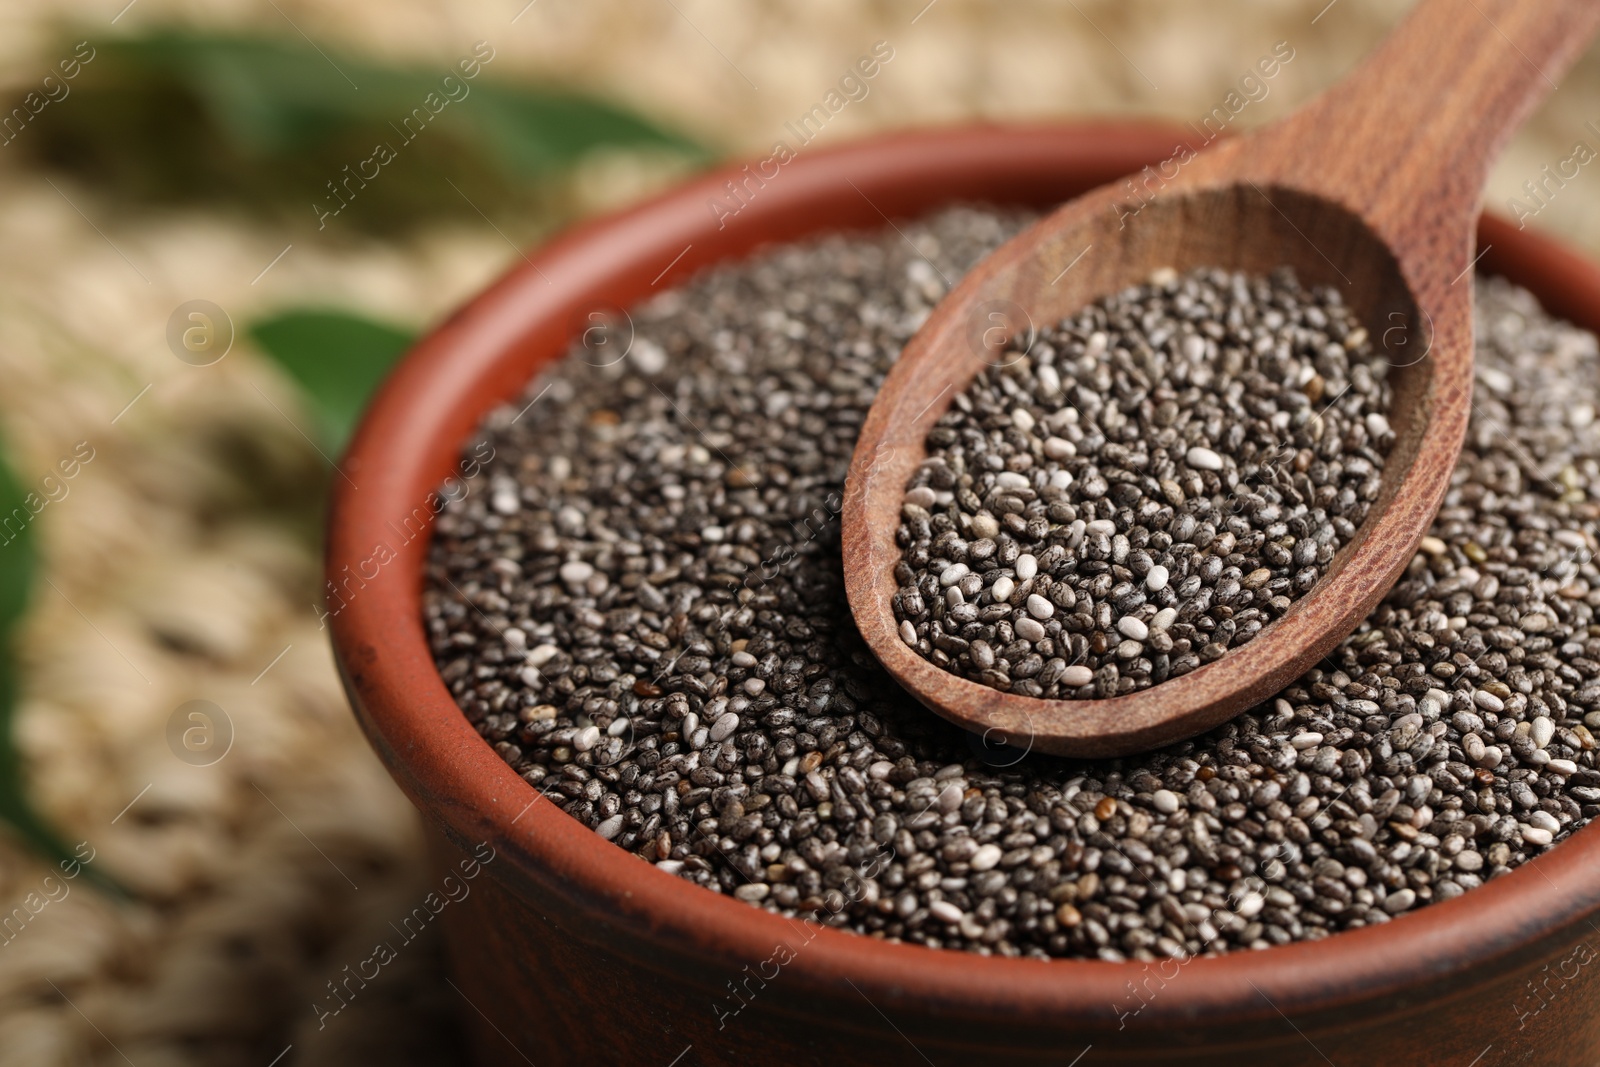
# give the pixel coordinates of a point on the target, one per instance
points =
(220, 222)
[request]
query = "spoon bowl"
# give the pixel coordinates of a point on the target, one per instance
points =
(1373, 190)
(1235, 226)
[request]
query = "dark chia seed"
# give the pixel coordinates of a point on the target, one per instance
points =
(1143, 487)
(640, 606)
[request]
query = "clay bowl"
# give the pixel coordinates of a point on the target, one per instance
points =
(568, 950)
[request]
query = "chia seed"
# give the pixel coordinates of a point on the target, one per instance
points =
(698, 695)
(1202, 443)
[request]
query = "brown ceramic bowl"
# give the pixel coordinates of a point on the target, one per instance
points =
(571, 951)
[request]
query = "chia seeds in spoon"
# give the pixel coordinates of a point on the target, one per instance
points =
(1142, 487)
(640, 605)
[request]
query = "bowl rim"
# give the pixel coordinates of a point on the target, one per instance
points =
(410, 438)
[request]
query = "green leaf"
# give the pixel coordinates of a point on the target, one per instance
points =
(17, 563)
(289, 131)
(337, 357)
(280, 97)
(268, 96)
(529, 132)
(17, 559)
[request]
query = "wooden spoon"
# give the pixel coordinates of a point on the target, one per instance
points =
(1373, 188)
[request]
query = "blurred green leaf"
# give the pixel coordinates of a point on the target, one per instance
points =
(17, 564)
(272, 124)
(268, 96)
(530, 131)
(338, 358)
(16, 550)
(282, 96)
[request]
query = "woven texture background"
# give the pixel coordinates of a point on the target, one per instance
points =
(258, 878)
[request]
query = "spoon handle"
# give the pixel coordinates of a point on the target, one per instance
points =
(1407, 140)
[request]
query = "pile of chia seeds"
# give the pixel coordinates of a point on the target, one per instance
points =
(640, 605)
(1128, 495)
